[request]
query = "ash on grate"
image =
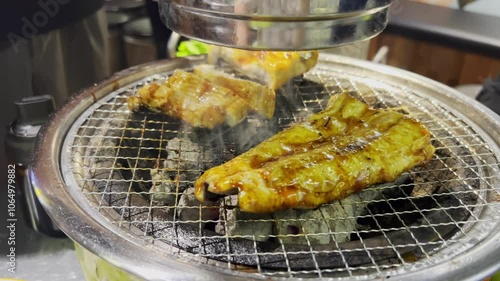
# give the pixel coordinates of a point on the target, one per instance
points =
(336, 220)
(184, 162)
(190, 209)
(233, 222)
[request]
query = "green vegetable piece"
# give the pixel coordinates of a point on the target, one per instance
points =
(190, 48)
(260, 24)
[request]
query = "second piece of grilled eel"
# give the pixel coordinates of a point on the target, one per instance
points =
(270, 68)
(337, 152)
(261, 99)
(206, 98)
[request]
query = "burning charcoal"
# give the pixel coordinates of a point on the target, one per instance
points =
(189, 208)
(183, 154)
(233, 222)
(164, 187)
(359, 201)
(341, 218)
(427, 178)
(447, 166)
(181, 166)
(342, 215)
(293, 225)
(337, 220)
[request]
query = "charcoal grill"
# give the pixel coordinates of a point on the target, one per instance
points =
(93, 162)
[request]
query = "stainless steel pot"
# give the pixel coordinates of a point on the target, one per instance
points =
(94, 154)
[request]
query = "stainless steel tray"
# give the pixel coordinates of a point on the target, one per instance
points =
(89, 186)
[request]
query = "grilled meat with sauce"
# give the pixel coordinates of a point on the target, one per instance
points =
(205, 100)
(261, 99)
(273, 69)
(335, 153)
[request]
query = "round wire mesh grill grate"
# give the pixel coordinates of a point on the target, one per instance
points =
(135, 171)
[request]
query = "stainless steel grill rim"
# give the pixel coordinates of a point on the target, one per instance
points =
(106, 245)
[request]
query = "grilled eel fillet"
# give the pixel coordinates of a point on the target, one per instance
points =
(337, 152)
(273, 69)
(195, 99)
(260, 99)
